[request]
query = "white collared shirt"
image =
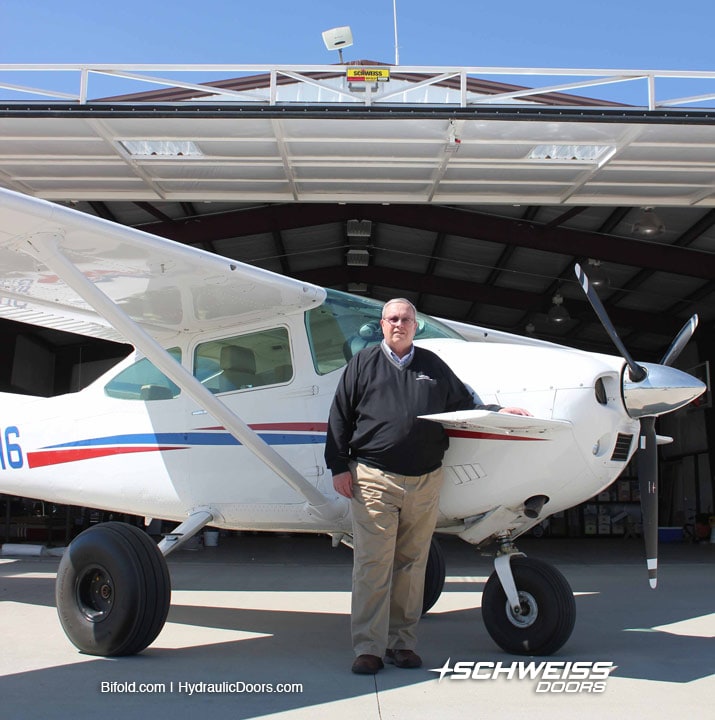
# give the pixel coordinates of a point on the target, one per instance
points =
(401, 361)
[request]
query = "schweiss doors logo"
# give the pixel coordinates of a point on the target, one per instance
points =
(551, 676)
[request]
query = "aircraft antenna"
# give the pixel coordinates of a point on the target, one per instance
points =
(394, 17)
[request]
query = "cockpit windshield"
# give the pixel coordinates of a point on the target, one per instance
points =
(345, 324)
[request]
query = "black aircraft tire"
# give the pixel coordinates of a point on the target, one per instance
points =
(548, 602)
(434, 575)
(113, 590)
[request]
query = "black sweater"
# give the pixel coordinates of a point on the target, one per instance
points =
(373, 417)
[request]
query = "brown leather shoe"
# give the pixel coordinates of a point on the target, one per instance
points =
(403, 658)
(367, 664)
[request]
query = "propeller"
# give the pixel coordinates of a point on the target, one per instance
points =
(650, 391)
(648, 462)
(648, 485)
(637, 372)
(680, 341)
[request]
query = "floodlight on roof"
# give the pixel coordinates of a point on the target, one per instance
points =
(337, 39)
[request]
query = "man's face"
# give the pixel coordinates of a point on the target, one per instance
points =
(398, 327)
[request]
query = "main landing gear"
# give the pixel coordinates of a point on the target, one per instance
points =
(434, 575)
(113, 590)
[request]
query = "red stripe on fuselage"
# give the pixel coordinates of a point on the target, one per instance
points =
(472, 435)
(57, 457)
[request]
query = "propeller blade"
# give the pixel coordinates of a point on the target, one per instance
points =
(680, 341)
(648, 483)
(637, 373)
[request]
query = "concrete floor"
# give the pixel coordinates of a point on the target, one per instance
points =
(265, 609)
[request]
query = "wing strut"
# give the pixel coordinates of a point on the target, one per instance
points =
(180, 534)
(46, 248)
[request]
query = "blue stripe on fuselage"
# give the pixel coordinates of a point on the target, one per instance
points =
(192, 438)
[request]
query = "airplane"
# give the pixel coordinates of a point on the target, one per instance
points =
(218, 418)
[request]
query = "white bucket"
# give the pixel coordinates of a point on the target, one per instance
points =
(210, 538)
(21, 550)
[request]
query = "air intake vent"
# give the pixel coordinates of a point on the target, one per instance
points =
(623, 445)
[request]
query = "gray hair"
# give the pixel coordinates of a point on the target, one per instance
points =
(404, 301)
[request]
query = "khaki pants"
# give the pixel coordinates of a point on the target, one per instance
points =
(394, 518)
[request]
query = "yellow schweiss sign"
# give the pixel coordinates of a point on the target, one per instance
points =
(368, 74)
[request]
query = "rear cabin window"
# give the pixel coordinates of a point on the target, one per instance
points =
(244, 362)
(143, 381)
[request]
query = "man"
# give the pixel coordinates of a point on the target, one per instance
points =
(389, 463)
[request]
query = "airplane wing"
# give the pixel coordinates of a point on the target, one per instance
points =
(161, 285)
(64, 269)
(486, 422)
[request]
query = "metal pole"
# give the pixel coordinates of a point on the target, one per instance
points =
(394, 16)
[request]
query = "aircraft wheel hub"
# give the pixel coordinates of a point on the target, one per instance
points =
(529, 611)
(95, 593)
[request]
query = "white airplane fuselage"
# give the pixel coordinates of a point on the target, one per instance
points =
(167, 458)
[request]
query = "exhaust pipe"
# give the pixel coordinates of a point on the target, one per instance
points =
(534, 505)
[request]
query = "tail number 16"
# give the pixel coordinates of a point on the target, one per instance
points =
(10, 450)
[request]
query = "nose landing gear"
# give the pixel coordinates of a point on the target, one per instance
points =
(528, 607)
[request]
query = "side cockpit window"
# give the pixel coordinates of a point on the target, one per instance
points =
(345, 324)
(339, 328)
(244, 362)
(143, 381)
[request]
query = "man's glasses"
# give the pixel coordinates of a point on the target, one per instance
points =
(395, 320)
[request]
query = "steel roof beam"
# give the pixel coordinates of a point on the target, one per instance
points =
(463, 223)
(477, 292)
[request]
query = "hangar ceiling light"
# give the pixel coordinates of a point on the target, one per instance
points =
(577, 153)
(359, 228)
(161, 148)
(648, 223)
(358, 257)
(558, 314)
(596, 274)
